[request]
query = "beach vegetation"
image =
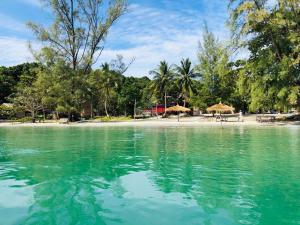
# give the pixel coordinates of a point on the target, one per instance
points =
(66, 81)
(112, 118)
(163, 80)
(185, 78)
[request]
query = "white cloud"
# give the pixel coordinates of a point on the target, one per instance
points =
(9, 23)
(14, 51)
(146, 33)
(148, 55)
(154, 34)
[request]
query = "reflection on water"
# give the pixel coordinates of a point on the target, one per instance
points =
(149, 176)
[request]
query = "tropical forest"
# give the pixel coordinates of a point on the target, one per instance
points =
(65, 79)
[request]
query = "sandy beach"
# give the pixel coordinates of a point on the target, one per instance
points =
(155, 122)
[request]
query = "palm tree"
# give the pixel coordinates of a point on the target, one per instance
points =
(109, 84)
(163, 77)
(185, 77)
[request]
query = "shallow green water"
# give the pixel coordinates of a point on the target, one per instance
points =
(150, 176)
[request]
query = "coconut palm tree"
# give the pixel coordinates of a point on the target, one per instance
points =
(162, 80)
(185, 75)
(110, 82)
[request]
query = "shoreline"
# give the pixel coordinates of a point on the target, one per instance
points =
(152, 123)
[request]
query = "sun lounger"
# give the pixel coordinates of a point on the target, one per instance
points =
(225, 117)
(265, 118)
(63, 121)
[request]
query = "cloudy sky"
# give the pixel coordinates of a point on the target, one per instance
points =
(153, 30)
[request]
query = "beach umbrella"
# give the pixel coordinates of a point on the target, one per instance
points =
(177, 109)
(220, 108)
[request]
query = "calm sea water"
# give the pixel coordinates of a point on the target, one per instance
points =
(146, 176)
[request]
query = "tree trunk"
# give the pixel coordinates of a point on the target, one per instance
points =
(105, 107)
(44, 114)
(92, 109)
(134, 110)
(33, 116)
(244, 107)
(165, 103)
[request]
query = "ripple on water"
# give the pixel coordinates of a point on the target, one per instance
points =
(154, 175)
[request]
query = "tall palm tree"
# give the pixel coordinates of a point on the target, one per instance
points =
(109, 82)
(163, 77)
(185, 77)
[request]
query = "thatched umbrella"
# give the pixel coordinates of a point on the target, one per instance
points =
(220, 108)
(177, 109)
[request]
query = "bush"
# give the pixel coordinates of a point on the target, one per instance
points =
(6, 112)
(24, 120)
(112, 118)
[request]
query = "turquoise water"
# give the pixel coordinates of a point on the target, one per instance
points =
(150, 176)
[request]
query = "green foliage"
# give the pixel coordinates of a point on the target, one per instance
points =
(272, 37)
(163, 78)
(10, 76)
(134, 91)
(24, 120)
(112, 93)
(112, 118)
(103, 85)
(77, 32)
(71, 45)
(216, 72)
(200, 100)
(28, 98)
(185, 76)
(64, 81)
(6, 112)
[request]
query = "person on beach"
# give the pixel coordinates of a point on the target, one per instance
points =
(241, 116)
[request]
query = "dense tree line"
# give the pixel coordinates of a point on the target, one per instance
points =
(34, 89)
(270, 78)
(63, 80)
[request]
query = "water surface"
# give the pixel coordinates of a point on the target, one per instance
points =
(150, 176)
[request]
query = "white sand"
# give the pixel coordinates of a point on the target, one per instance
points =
(154, 122)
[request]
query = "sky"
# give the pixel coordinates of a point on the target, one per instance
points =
(152, 30)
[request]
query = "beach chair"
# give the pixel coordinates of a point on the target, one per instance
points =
(63, 121)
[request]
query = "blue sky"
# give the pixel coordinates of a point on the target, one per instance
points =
(153, 30)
